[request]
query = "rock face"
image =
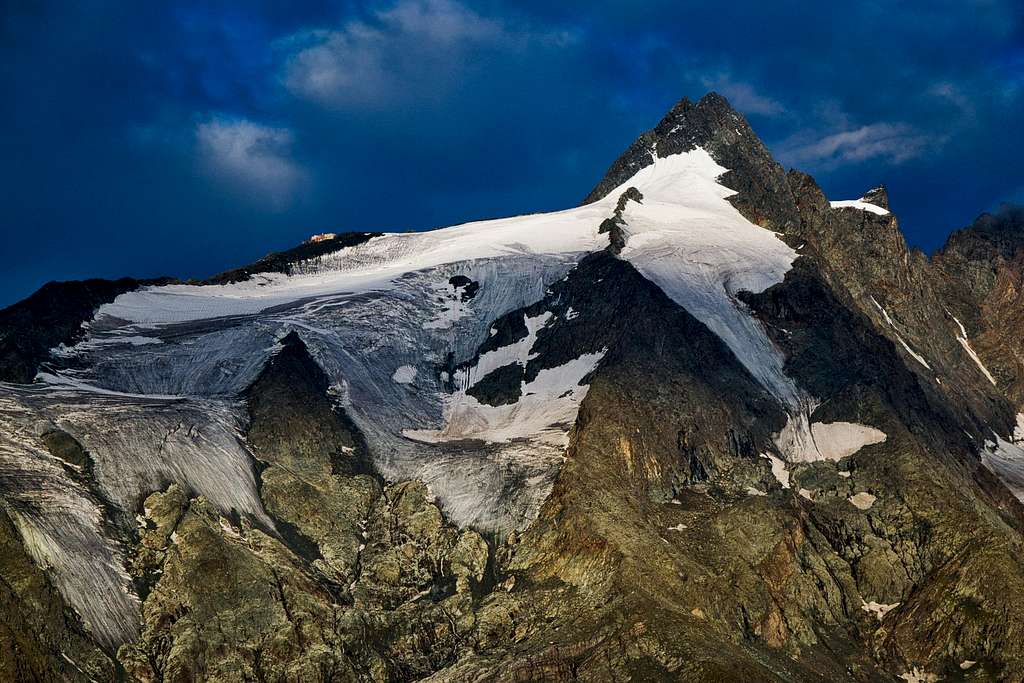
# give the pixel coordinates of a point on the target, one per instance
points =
(284, 261)
(711, 124)
(582, 446)
(982, 270)
(50, 317)
(357, 580)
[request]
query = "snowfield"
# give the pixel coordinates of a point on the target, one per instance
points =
(373, 265)
(860, 205)
(1005, 457)
(687, 239)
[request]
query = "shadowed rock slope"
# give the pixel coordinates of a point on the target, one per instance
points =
(50, 317)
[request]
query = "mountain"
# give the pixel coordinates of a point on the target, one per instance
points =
(706, 426)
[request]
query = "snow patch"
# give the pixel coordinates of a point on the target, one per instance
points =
(914, 354)
(1006, 460)
(828, 440)
(877, 608)
(778, 469)
(751, 491)
(546, 409)
(453, 307)
(859, 204)
(687, 239)
(516, 352)
(702, 252)
(962, 338)
(917, 675)
(918, 357)
(405, 374)
(862, 500)
(837, 440)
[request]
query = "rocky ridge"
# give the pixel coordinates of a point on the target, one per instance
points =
(676, 544)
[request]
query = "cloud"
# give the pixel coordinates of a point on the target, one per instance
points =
(251, 157)
(888, 143)
(415, 49)
(953, 94)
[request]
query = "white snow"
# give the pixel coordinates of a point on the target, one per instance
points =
(778, 469)
(859, 204)
(453, 308)
(751, 491)
(1005, 457)
(805, 493)
(837, 440)
(916, 356)
(516, 352)
(974, 356)
(571, 314)
(373, 265)
(843, 474)
(453, 311)
(885, 314)
(93, 343)
(545, 410)
(77, 667)
(962, 338)
(61, 527)
(404, 374)
(879, 609)
(678, 527)
(967, 664)
(686, 238)
(917, 675)
(862, 500)
(828, 441)
(1006, 460)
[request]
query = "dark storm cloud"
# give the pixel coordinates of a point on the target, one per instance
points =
(151, 138)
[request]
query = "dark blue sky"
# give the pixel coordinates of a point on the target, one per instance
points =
(143, 138)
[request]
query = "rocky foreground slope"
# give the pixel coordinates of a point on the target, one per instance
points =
(707, 426)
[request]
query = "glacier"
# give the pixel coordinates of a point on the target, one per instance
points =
(155, 390)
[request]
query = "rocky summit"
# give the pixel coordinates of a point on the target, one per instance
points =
(709, 425)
